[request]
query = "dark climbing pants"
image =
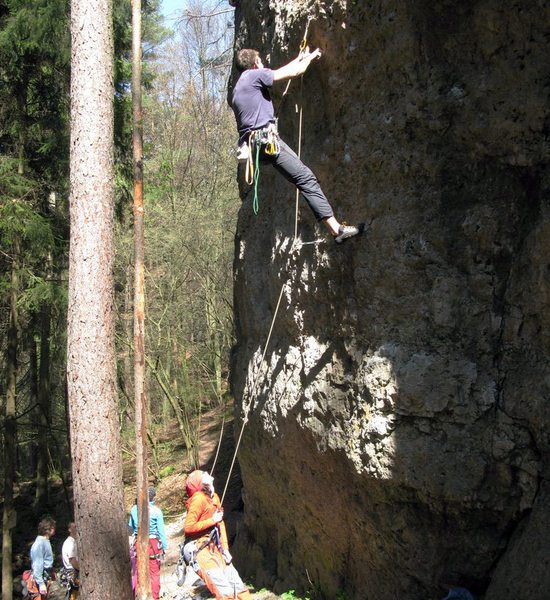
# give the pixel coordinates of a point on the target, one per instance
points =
(294, 170)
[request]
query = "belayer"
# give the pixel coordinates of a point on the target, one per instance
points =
(251, 102)
(206, 548)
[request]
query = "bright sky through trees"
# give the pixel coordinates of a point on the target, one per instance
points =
(171, 9)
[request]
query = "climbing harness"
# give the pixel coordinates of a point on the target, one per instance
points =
(267, 138)
(189, 553)
(152, 554)
(70, 581)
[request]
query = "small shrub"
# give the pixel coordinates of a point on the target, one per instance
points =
(165, 471)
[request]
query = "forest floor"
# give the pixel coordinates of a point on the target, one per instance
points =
(173, 463)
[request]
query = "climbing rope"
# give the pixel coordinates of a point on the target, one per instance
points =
(219, 442)
(267, 137)
(303, 46)
(253, 389)
(256, 201)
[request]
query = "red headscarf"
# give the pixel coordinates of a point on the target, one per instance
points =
(193, 483)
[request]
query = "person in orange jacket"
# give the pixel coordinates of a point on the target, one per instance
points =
(206, 544)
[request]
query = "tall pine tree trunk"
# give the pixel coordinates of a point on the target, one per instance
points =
(9, 514)
(91, 377)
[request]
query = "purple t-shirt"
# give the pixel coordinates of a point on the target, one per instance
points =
(251, 100)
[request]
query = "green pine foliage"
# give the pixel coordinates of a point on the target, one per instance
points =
(191, 203)
(34, 142)
(34, 81)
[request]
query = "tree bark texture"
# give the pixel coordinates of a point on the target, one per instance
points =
(10, 433)
(91, 370)
(143, 589)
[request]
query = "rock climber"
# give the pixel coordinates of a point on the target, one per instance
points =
(255, 116)
(157, 542)
(206, 548)
(42, 558)
(71, 565)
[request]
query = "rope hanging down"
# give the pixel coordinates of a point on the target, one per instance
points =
(303, 46)
(299, 109)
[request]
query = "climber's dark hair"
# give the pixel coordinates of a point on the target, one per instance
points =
(46, 523)
(246, 59)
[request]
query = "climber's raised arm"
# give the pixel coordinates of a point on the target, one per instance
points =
(296, 67)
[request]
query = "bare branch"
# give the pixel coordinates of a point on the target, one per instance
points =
(189, 15)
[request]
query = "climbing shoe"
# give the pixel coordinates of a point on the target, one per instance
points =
(347, 231)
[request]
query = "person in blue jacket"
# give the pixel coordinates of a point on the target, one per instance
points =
(42, 555)
(157, 540)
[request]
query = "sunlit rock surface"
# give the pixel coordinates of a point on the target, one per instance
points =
(398, 433)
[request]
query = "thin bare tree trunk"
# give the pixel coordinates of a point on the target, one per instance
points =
(143, 588)
(212, 327)
(183, 419)
(33, 384)
(128, 319)
(10, 432)
(91, 368)
(43, 419)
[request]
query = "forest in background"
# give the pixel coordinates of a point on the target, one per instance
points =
(191, 203)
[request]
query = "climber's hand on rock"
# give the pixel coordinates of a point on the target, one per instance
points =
(316, 54)
(306, 54)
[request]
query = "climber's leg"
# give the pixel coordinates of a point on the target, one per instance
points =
(294, 170)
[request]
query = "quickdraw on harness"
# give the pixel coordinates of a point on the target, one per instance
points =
(189, 552)
(152, 554)
(268, 138)
(69, 579)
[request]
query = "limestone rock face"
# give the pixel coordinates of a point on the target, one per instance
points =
(398, 429)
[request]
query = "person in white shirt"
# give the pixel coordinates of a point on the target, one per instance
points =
(68, 550)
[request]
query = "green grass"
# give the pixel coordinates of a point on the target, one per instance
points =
(291, 595)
